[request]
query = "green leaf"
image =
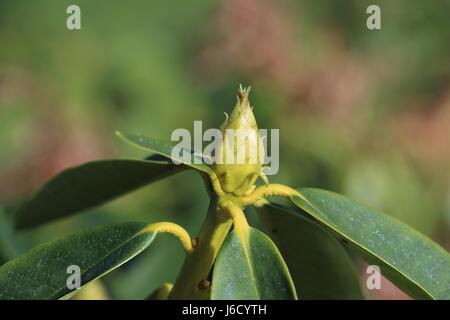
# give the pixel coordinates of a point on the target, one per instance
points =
(42, 272)
(251, 269)
(9, 246)
(319, 264)
(89, 185)
(165, 149)
(413, 262)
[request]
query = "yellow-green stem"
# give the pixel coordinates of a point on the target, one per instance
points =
(164, 291)
(191, 281)
(273, 189)
(174, 229)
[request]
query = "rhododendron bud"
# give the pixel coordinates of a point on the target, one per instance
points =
(239, 161)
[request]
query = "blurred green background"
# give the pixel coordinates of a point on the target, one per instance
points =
(364, 113)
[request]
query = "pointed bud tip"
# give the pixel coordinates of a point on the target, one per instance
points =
(243, 93)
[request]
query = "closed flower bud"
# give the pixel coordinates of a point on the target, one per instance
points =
(238, 162)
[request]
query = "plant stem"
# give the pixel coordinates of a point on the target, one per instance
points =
(173, 229)
(191, 281)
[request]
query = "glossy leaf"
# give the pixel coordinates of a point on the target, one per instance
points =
(165, 149)
(252, 269)
(319, 264)
(42, 273)
(413, 262)
(89, 185)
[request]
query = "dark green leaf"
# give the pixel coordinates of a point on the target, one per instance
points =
(251, 269)
(410, 260)
(42, 272)
(319, 265)
(88, 185)
(9, 246)
(165, 149)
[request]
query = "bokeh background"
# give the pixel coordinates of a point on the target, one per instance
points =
(364, 113)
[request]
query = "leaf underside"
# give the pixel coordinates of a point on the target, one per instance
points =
(253, 270)
(89, 185)
(320, 266)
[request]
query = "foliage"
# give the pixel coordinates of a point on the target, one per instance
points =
(245, 263)
(363, 113)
